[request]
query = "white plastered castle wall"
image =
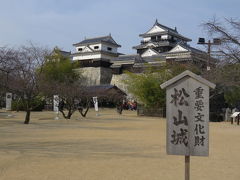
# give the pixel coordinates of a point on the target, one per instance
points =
(88, 56)
(84, 48)
(146, 39)
(101, 46)
(105, 48)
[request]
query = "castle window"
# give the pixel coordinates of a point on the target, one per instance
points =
(153, 38)
(80, 49)
(109, 49)
(158, 37)
(96, 47)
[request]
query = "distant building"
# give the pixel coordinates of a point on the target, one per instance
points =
(106, 91)
(57, 51)
(160, 43)
(159, 39)
(102, 64)
(94, 56)
(96, 52)
(65, 53)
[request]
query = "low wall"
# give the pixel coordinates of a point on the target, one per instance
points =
(155, 112)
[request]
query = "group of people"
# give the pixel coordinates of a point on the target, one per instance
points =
(130, 105)
(126, 105)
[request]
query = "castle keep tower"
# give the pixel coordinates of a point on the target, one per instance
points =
(160, 44)
(94, 56)
(159, 39)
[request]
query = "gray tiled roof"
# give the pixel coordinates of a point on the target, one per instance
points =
(63, 53)
(102, 90)
(127, 57)
(96, 52)
(136, 60)
(106, 39)
(193, 49)
(133, 57)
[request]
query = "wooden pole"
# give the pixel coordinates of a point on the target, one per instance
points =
(238, 118)
(187, 167)
(209, 55)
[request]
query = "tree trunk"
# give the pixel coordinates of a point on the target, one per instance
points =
(70, 112)
(27, 117)
(63, 114)
(69, 115)
(119, 109)
(86, 111)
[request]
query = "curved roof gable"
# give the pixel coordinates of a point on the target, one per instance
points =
(158, 28)
(184, 48)
(150, 52)
(179, 48)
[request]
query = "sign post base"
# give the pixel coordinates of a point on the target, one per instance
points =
(187, 167)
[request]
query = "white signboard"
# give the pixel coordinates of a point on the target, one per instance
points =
(95, 101)
(187, 115)
(235, 114)
(8, 101)
(55, 103)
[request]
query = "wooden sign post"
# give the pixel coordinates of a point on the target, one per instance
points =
(187, 116)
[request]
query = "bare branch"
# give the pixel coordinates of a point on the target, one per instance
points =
(229, 33)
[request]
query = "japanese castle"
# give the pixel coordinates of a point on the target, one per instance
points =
(101, 62)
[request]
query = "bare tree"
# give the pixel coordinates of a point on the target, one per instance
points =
(108, 94)
(22, 68)
(84, 104)
(7, 57)
(227, 71)
(228, 31)
(226, 74)
(71, 96)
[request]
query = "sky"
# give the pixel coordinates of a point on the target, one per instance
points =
(61, 23)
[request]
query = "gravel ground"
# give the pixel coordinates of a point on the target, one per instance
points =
(107, 147)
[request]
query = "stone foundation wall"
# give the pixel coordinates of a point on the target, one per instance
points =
(102, 75)
(96, 75)
(106, 75)
(117, 79)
